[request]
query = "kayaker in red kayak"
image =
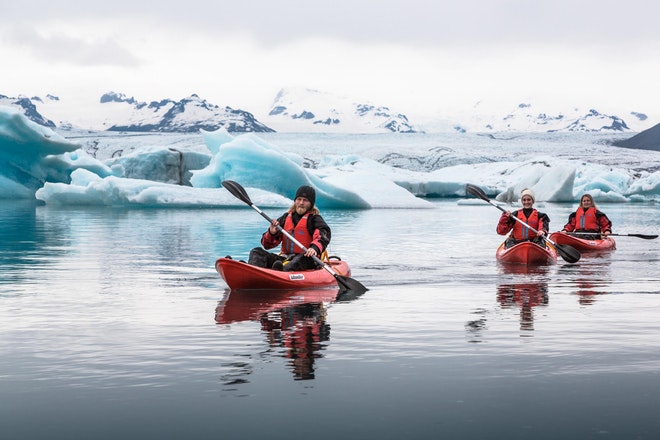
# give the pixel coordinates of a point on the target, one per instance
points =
(302, 221)
(587, 218)
(527, 214)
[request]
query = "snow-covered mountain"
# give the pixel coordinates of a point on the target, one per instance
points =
(185, 116)
(528, 117)
(28, 107)
(117, 112)
(306, 110)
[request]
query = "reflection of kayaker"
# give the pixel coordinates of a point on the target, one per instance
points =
(292, 320)
(239, 306)
(526, 296)
(593, 281)
(527, 290)
(300, 330)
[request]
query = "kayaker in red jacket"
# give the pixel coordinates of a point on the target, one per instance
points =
(302, 221)
(527, 214)
(587, 218)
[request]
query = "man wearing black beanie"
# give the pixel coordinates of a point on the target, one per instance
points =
(302, 221)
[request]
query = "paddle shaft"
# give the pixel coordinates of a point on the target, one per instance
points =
(644, 236)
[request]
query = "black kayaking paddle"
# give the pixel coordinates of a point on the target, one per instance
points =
(568, 253)
(644, 236)
(345, 283)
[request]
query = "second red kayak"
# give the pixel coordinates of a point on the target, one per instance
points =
(582, 244)
(528, 253)
(240, 275)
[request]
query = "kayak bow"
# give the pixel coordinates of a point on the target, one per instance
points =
(528, 253)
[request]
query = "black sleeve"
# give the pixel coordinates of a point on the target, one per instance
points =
(545, 221)
(603, 221)
(324, 230)
(571, 219)
(511, 220)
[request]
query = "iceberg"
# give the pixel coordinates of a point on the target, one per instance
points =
(37, 163)
(87, 188)
(28, 155)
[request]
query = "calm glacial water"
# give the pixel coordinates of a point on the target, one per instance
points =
(115, 325)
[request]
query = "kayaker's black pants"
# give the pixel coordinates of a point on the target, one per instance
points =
(509, 242)
(294, 262)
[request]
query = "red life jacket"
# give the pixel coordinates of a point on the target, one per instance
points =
(586, 220)
(299, 232)
(522, 232)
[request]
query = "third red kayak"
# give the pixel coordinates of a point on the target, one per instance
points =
(582, 244)
(528, 253)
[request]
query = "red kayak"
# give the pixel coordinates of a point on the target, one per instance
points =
(528, 253)
(582, 244)
(239, 275)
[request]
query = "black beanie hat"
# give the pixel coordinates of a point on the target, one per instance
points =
(306, 192)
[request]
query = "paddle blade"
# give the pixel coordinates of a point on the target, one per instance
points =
(476, 191)
(349, 284)
(644, 236)
(568, 253)
(237, 191)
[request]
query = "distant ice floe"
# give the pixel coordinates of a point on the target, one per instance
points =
(37, 163)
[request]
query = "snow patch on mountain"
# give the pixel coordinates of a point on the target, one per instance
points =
(307, 110)
(528, 117)
(28, 108)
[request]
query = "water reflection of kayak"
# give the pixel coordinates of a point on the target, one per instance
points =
(239, 306)
(583, 244)
(240, 275)
(528, 253)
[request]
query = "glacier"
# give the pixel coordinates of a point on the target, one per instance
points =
(37, 163)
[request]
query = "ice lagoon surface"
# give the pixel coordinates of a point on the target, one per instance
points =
(116, 325)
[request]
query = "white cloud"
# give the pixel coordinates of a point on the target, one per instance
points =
(412, 55)
(61, 47)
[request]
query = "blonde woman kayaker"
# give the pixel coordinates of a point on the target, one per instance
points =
(587, 218)
(302, 221)
(529, 215)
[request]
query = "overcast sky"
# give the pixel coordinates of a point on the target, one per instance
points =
(407, 54)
